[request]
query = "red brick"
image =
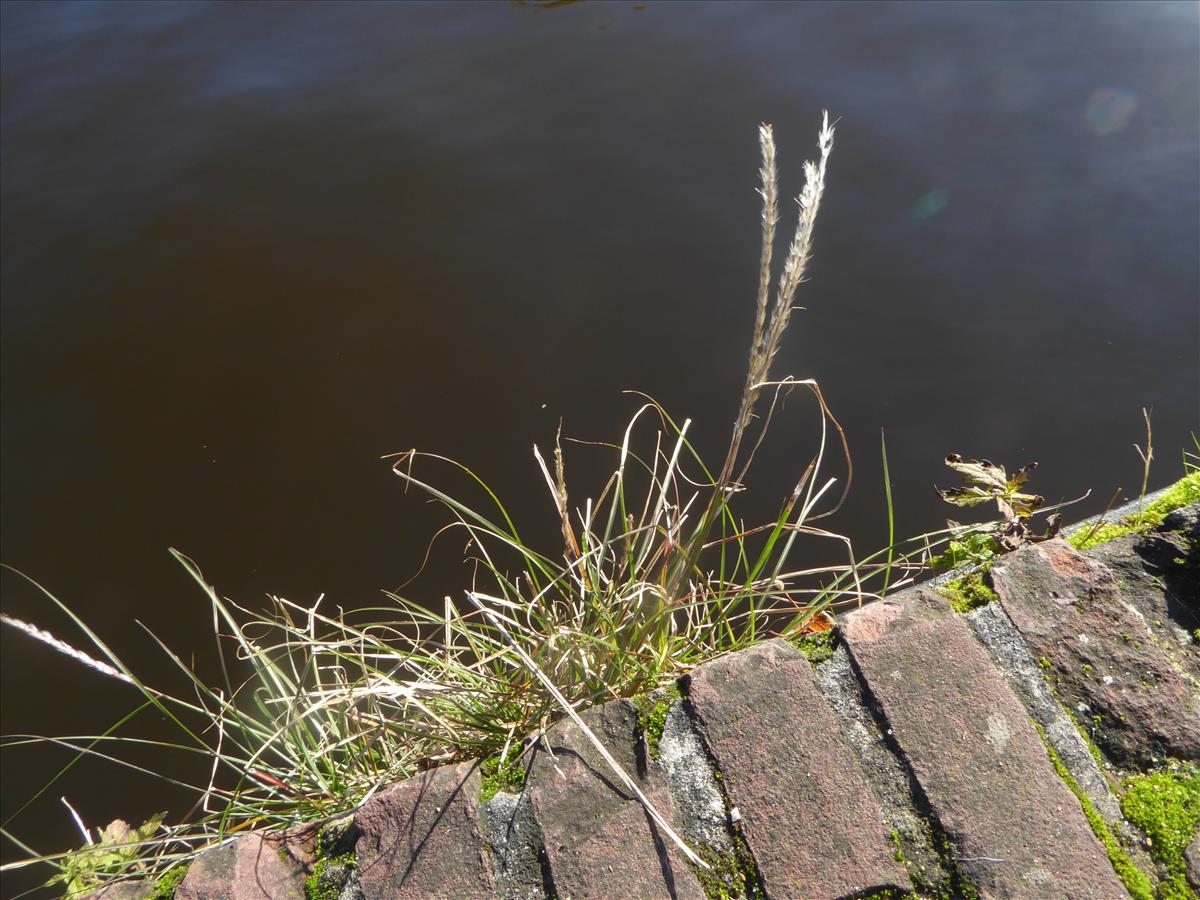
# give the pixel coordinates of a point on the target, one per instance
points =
(1014, 828)
(808, 813)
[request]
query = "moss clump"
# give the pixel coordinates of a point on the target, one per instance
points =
(1175, 887)
(898, 855)
(1135, 880)
(502, 774)
(329, 877)
(731, 875)
(817, 646)
(1165, 805)
(335, 860)
(1182, 493)
(165, 887)
(652, 712)
(967, 592)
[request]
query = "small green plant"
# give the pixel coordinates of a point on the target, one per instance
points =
(114, 852)
(969, 549)
(986, 482)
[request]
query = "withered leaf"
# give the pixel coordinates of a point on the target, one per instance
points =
(1021, 476)
(965, 496)
(1025, 504)
(979, 471)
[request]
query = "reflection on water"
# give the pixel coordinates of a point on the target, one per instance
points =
(249, 249)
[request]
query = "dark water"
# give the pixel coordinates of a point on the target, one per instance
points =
(249, 249)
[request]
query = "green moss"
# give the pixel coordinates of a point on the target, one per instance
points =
(335, 862)
(960, 886)
(898, 855)
(1086, 538)
(652, 712)
(329, 876)
(1182, 493)
(818, 646)
(505, 774)
(967, 592)
(165, 887)
(1175, 887)
(730, 875)
(1165, 805)
(1135, 880)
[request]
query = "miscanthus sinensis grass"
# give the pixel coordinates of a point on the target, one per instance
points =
(655, 575)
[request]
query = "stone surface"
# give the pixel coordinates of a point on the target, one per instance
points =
(807, 811)
(1014, 828)
(600, 842)
(254, 867)
(995, 630)
(515, 847)
(1159, 576)
(699, 804)
(893, 784)
(125, 890)
(422, 838)
(1191, 856)
(1185, 520)
(1099, 654)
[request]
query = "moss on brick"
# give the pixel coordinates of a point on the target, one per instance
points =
(818, 646)
(165, 887)
(1182, 493)
(1165, 806)
(329, 877)
(730, 875)
(652, 710)
(502, 774)
(967, 592)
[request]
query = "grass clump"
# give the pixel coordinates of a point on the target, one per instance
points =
(967, 592)
(1165, 806)
(1184, 492)
(315, 707)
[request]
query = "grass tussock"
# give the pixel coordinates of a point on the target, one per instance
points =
(315, 707)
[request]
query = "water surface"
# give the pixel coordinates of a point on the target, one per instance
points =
(250, 249)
